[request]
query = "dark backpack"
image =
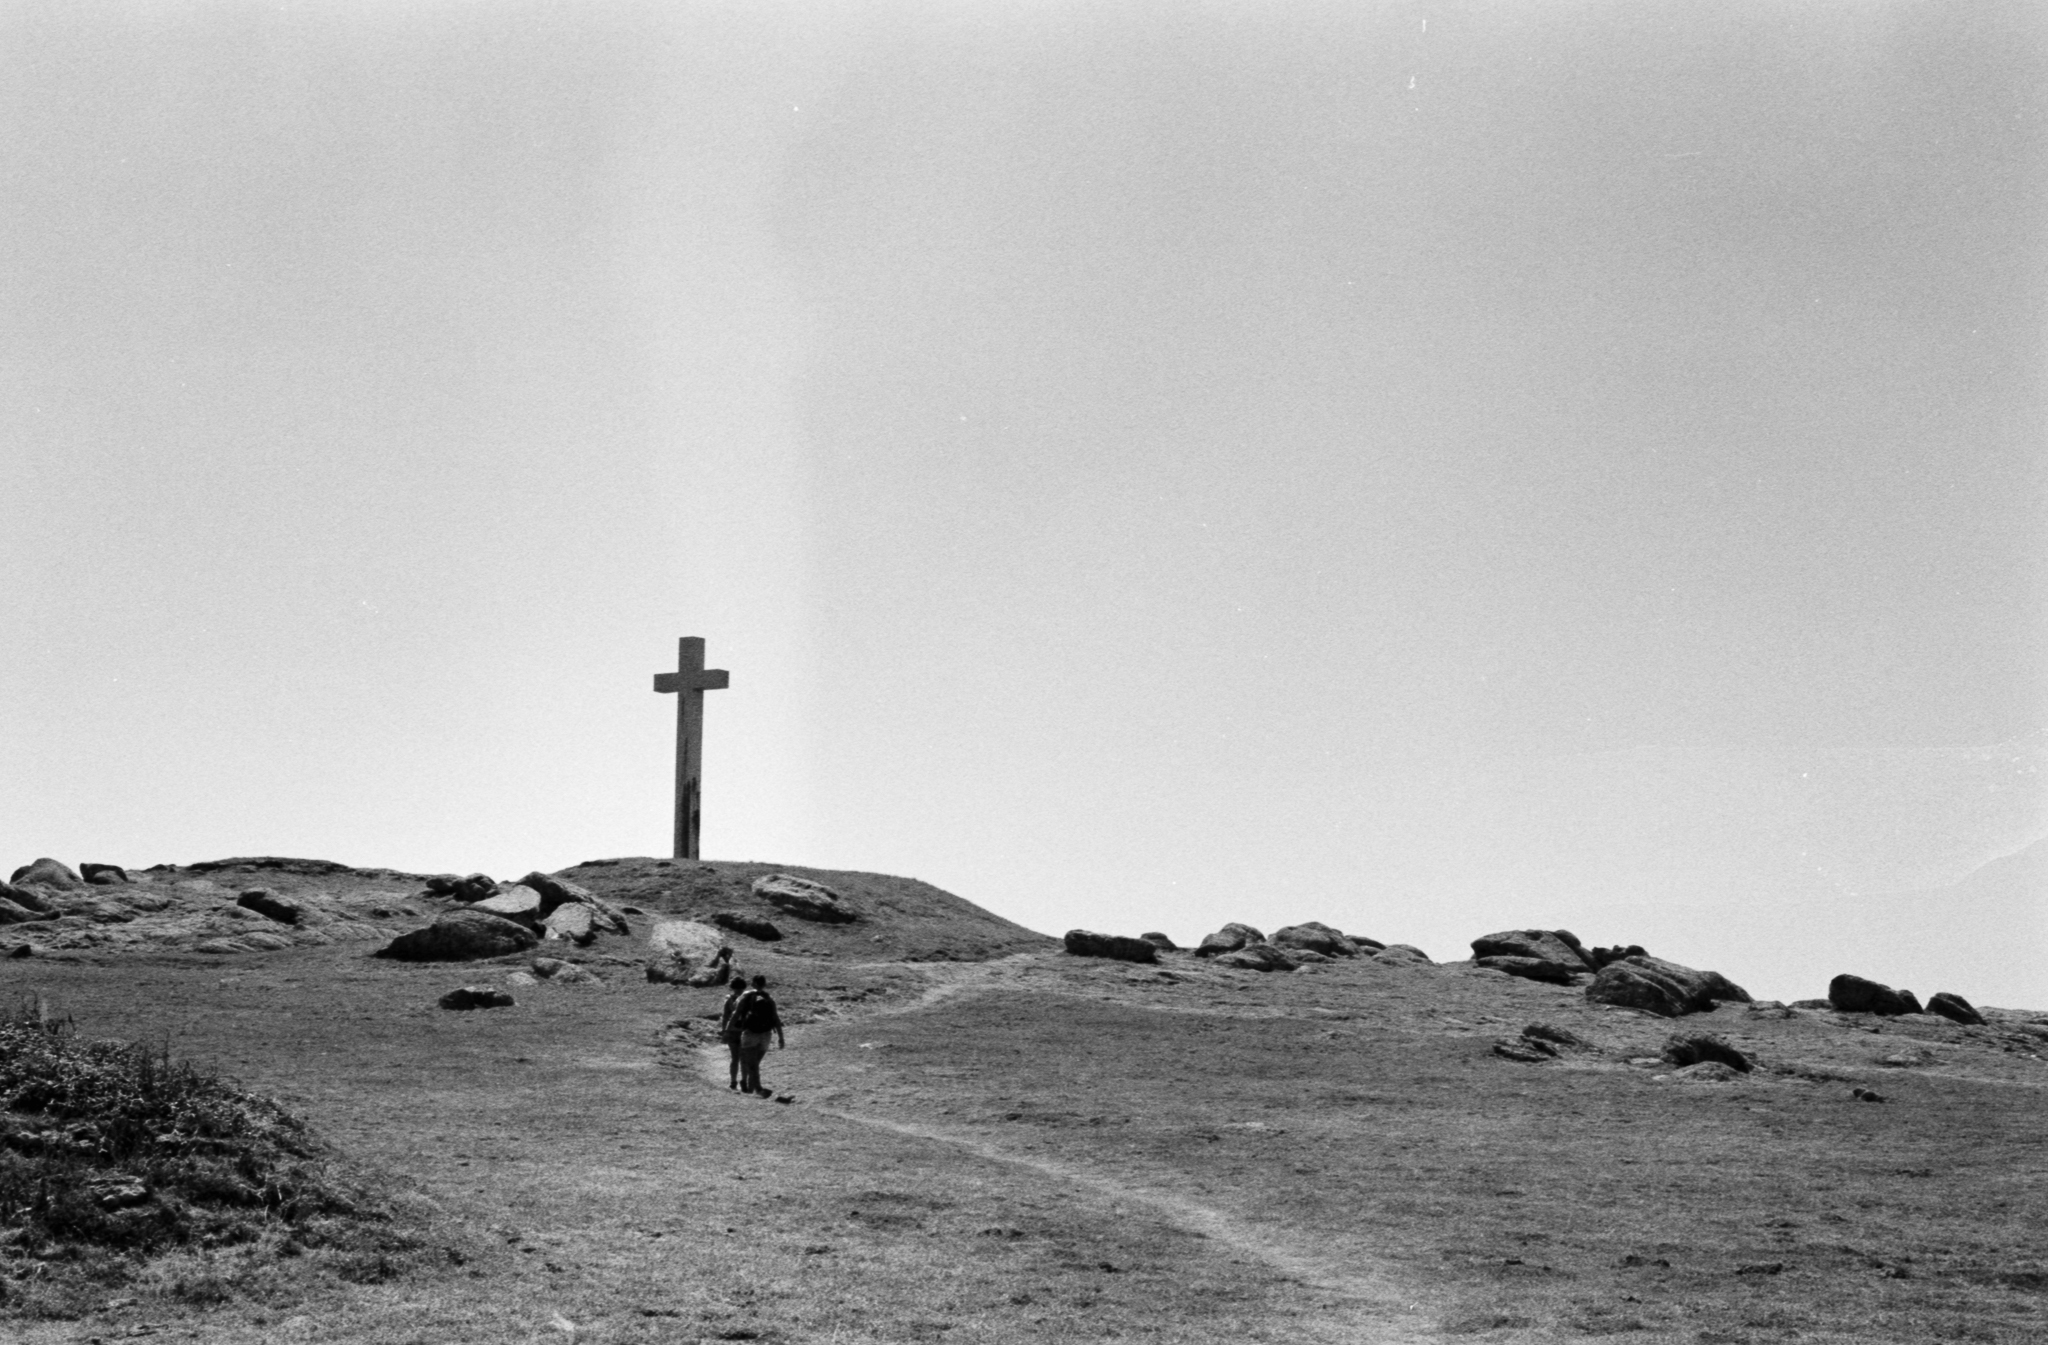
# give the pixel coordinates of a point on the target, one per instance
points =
(755, 1012)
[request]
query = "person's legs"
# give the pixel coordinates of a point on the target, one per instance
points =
(732, 1071)
(750, 1068)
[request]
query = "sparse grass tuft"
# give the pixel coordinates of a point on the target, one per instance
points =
(112, 1155)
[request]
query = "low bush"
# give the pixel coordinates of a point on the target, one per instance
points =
(112, 1154)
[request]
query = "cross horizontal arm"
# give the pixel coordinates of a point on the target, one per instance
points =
(711, 679)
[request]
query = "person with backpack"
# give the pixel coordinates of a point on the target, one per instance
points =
(729, 1030)
(757, 1019)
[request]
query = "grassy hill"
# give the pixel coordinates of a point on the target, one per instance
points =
(1036, 1147)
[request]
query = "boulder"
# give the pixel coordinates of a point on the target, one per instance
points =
(28, 898)
(1086, 943)
(753, 926)
(565, 973)
(1955, 1008)
(1526, 1051)
(1533, 968)
(103, 875)
(475, 887)
(461, 936)
(803, 899)
(518, 903)
(1316, 937)
(1691, 1048)
(1364, 944)
(1228, 939)
(572, 921)
(1161, 942)
(1661, 987)
(1855, 994)
(1600, 957)
(269, 905)
(1308, 957)
(688, 952)
(1556, 1036)
(45, 873)
(477, 997)
(1403, 954)
(1259, 956)
(1544, 945)
(13, 913)
(556, 893)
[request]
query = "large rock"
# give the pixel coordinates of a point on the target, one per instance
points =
(1403, 954)
(1661, 987)
(1544, 945)
(1692, 1048)
(753, 926)
(475, 887)
(46, 873)
(1228, 939)
(518, 903)
(1087, 943)
(565, 973)
(477, 997)
(1855, 994)
(461, 936)
(269, 905)
(103, 875)
(1365, 945)
(1955, 1008)
(557, 892)
(688, 952)
(1161, 942)
(1316, 937)
(28, 898)
(572, 920)
(1259, 956)
(1533, 968)
(13, 913)
(803, 899)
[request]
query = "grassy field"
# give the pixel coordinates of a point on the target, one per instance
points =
(1039, 1147)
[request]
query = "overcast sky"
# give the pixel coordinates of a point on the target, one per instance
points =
(1427, 468)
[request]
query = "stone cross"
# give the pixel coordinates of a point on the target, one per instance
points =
(690, 680)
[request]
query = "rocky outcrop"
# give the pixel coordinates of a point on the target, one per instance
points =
(753, 926)
(475, 887)
(28, 898)
(1661, 987)
(1692, 1048)
(565, 973)
(1540, 1042)
(1955, 1008)
(1087, 943)
(803, 899)
(103, 875)
(1161, 942)
(518, 903)
(270, 906)
(1556, 946)
(555, 893)
(13, 913)
(1316, 937)
(1403, 954)
(572, 921)
(1260, 956)
(461, 936)
(1855, 994)
(1532, 969)
(1228, 939)
(1365, 945)
(477, 997)
(1600, 957)
(46, 872)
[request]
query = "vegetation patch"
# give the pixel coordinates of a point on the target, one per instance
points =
(121, 1169)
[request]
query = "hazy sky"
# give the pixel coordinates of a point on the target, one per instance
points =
(1422, 467)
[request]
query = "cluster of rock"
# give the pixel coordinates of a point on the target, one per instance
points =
(1244, 947)
(1855, 994)
(106, 906)
(1625, 976)
(496, 920)
(552, 969)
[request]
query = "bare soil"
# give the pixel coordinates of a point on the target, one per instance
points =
(1032, 1146)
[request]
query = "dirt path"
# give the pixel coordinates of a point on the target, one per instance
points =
(1361, 1304)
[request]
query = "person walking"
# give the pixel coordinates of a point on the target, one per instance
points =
(758, 1020)
(729, 1030)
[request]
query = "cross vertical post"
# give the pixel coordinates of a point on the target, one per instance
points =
(689, 682)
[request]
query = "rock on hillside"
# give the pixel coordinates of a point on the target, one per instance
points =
(899, 918)
(1661, 987)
